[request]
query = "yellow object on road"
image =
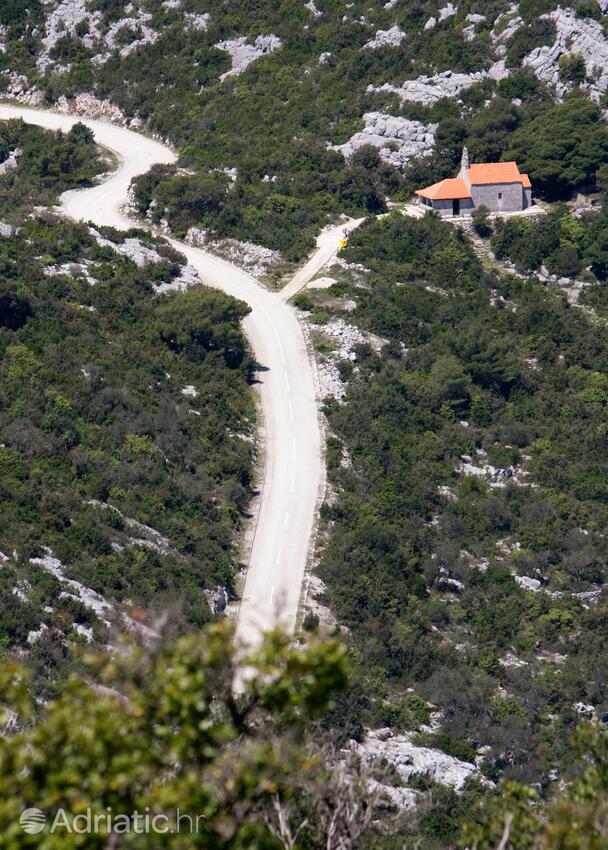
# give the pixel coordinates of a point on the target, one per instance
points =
(342, 243)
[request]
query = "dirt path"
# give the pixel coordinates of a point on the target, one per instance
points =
(328, 245)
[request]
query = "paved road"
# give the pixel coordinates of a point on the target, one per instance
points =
(294, 469)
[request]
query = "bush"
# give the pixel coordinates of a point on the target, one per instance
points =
(537, 33)
(589, 9)
(458, 749)
(481, 221)
(572, 68)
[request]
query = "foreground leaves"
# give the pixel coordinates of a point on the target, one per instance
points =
(165, 733)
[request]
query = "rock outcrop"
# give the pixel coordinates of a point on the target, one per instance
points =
(428, 90)
(255, 259)
(16, 87)
(138, 24)
(310, 5)
(63, 21)
(197, 22)
(411, 760)
(470, 30)
(448, 11)
(11, 162)
(89, 106)
(243, 54)
(505, 26)
(344, 339)
(132, 248)
(397, 139)
(385, 38)
(582, 36)
(187, 277)
(66, 17)
(217, 599)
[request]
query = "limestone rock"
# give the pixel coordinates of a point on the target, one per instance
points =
(506, 25)
(217, 599)
(397, 139)
(428, 90)
(588, 712)
(187, 277)
(528, 583)
(386, 38)
(316, 588)
(448, 11)
(197, 22)
(63, 21)
(255, 259)
(132, 248)
(17, 88)
(11, 162)
(137, 23)
(243, 54)
(583, 36)
(310, 5)
(89, 106)
(344, 339)
(411, 760)
(472, 21)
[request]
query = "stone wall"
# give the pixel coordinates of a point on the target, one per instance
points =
(512, 196)
(446, 209)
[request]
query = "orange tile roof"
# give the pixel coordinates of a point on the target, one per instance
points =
(525, 181)
(494, 172)
(446, 190)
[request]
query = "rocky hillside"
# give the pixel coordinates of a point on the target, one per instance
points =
(126, 424)
(269, 107)
(462, 551)
(462, 546)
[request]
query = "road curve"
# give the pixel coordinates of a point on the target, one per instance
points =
(294, 468)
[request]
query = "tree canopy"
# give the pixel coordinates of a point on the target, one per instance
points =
(563, 148)
(160, 729)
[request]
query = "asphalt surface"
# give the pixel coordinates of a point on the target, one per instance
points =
(293, 470)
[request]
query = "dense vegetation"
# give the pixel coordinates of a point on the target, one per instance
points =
(571, 246)
(49, 163)
(136, 487)
(503, 372)
(273, 122)
(562, 148)
(315, 183)
(479, 596)
(574, 819)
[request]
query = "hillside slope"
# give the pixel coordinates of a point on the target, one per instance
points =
(269, 106)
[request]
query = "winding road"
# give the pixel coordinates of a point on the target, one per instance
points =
(293, 475)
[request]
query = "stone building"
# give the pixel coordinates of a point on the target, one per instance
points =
(498, 185)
